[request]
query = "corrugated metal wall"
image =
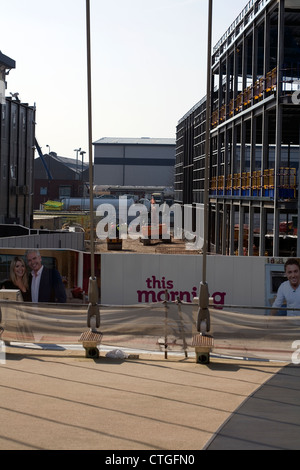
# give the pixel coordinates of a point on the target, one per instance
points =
(67, 240)
(17, 132)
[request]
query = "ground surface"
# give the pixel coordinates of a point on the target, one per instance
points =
(61, 400)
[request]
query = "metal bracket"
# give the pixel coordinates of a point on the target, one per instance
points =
(93, 311)
(93, 308)
(203, 317)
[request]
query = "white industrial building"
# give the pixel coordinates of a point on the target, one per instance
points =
(134, 162)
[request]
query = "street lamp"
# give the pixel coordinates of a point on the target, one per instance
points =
(49, 165)
(77, 152)
(82, 153)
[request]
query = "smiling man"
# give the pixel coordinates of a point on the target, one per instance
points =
(45, 284)
(289, 291)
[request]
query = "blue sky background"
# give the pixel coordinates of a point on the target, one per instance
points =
(148, 64)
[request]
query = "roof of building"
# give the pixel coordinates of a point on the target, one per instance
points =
(135, 141)
(7, 61)
(71, 163)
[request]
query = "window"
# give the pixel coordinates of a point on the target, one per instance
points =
(64, 191)
(43, 191)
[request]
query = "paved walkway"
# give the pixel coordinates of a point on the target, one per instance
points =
(61, 400)
(268, 420)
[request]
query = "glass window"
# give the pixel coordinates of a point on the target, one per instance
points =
(64, 191)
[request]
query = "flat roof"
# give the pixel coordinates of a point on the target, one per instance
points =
(134, 141)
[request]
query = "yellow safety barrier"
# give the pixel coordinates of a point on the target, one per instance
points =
(244, 99)
(257, 183)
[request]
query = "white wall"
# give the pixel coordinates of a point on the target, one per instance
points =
(239, 280)
(119, 172)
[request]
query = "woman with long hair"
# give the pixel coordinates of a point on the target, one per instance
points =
(18, 278)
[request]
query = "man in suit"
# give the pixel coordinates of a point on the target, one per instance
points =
(45, 284)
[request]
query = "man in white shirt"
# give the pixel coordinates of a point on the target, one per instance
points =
(35, 284)
(45, 284)
(289, 291)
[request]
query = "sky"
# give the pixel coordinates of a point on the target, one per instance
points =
(148, 65)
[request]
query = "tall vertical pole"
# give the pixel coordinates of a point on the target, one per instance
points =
(90, 136)
(93, 309)
(207, 140)
(203, 318)
(298, 211)
(278, 125)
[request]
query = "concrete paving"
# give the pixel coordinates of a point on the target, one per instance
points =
(268, 420)
(60, 400)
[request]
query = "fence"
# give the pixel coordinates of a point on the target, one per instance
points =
(165, 327)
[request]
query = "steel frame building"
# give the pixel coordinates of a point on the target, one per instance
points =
(254, 135)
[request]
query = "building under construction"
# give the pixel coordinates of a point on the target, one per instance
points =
(254, 135)
(17, 141)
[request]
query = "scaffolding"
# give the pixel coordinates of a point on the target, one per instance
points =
(255, 129)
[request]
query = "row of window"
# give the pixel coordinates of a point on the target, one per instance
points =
(64, 191)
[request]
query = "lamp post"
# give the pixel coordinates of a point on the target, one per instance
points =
(82, 153)
(203, 319)
(93, 309)
(77, 152)
(49, 166)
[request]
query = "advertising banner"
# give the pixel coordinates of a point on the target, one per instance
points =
(133, 278)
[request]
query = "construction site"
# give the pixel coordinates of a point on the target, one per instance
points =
(254, 135)
(163, 344)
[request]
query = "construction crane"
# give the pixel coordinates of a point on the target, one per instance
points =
(50, 178)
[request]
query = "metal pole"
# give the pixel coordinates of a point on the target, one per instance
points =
(89, 85)
(203, 317)
(93, 309)
(207, 140)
